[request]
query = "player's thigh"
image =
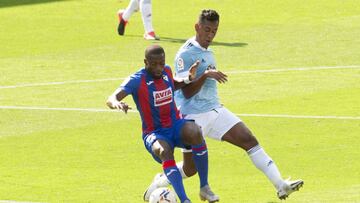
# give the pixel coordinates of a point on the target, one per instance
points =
(240, 136)
(186, 133)
(191, 133)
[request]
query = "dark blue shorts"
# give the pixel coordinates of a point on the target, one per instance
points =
(171, 135)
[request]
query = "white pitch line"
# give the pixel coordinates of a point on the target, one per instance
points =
(59, 83)
(58, 109)
(300, 116)
(132, 111)
(295, 69)
(12, 201)
(232, 72)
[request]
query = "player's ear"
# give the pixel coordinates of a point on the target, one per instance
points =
(145, 62)
(197, 27)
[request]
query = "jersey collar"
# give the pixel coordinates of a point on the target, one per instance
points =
(196, 44)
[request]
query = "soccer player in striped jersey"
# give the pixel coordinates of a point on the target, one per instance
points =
(199, 101)
(152, 89)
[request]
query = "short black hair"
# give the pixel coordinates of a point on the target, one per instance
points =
(209, 15)
(153, 50)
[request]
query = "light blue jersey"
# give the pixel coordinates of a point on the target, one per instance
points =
(207, 98)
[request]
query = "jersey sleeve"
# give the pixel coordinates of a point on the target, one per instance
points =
(169, 72)
(130, 84)
(183, 62)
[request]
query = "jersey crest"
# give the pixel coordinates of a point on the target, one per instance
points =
(180, 64)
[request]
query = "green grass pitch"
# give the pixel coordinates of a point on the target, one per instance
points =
(294, 78)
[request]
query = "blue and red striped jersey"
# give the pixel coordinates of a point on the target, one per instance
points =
(154, 99)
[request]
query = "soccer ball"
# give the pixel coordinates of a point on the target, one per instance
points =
(162, 195)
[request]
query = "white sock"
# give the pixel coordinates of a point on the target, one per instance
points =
(145, 8)
(132, 7)
(263, 162)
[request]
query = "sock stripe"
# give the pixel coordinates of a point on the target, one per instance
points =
(168, 164)
(199, 148)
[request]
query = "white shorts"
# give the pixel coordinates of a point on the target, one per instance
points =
(214, 123)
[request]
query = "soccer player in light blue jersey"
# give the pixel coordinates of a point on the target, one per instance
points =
(199, 101)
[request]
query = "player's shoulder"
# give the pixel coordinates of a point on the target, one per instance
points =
(189, 50)
(185, 58)
(184, 54)
(188, 47)
(138, 74)
(167, 67)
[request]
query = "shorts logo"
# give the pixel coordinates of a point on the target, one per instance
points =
(180, 64)
(150, 139)
(162, 97)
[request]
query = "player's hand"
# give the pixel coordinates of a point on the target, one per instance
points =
(193, 69)
(217, 75)
(121, 106)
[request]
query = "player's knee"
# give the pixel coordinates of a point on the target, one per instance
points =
(248, 142)
(250, 139)
(198, 138)
(164, 153)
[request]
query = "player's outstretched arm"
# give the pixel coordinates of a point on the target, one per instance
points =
(114, 101)
(217, 75)
(193, 88)
(181, 82)
(193, 70)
